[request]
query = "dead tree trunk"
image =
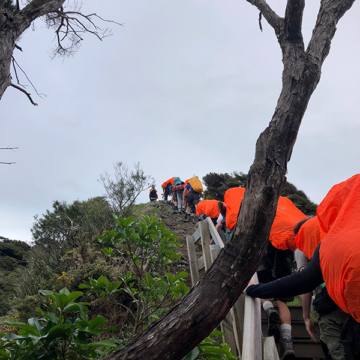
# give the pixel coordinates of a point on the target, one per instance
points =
(12, 24)
(69, 28)
(209, 301)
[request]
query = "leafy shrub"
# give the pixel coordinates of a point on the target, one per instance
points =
(209, 349)
(146, 246)
(64, 331)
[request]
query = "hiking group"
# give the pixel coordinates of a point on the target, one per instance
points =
(325, 249)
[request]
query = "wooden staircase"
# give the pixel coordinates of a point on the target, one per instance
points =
(245, 326)
(304, 347)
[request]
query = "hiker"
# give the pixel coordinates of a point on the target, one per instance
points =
(177, 187)
(232, 199)
(330, 318)
(180, 194)
(276, 264)
(210, 208)
(166, 186)
(195, 192)
(336, 261)
(153, 194)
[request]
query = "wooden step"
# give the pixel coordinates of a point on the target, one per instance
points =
(304, 347)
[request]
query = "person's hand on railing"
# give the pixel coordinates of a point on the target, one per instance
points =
(250, 283)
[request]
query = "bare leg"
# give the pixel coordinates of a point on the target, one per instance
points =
(284, 313)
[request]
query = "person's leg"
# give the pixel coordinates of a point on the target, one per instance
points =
(284, 313)
(330, 326)
(189, 202)
(179, 200)
(286, 345)
(272, 315)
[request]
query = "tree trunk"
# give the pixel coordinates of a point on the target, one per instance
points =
(208, 302)
(6, 51)
(12, 25)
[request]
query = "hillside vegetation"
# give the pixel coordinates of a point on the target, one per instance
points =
(129, 270)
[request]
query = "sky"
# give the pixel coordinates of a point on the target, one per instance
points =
(185, 87)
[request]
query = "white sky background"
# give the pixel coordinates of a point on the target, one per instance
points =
(185, 87)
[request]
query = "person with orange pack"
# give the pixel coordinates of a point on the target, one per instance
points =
(195, 190)
(210, 208)
(166, 186)
(336, 261)
(277, 264)
(309, 235)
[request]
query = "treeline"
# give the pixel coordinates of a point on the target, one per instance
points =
(217, 184)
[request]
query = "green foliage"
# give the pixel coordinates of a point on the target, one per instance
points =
(147, 245)
(217, 184)
(64, 331)
(209, 349)
(67, 224)
(12, 257)
(299, 198)
(63, 239)
(102, 286)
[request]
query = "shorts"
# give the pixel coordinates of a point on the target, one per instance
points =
(265, 276)
(193, 198)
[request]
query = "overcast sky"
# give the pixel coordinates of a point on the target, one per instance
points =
(184, 87)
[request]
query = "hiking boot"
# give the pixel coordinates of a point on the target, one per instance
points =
(273, 323)
(286, 350)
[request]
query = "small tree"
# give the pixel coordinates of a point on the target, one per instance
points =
(125, 189)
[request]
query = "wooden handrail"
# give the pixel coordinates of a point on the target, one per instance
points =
(252, 337)
(242, 325)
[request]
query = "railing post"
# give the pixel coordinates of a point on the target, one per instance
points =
(193, 262)
(252, 338)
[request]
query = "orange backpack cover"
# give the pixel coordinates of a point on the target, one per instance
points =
(232, 199)
(208, 207)
(196, 184)
(282, 231)
(309, 237)
(170, 181)
(339, 214)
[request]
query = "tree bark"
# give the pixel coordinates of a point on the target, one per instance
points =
(208, 302)
(12, 25)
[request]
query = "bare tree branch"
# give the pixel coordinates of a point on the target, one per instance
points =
(25, 92)
(260, 21)
(269, 14)
(16, 63)
(18, 47)
(6, 163)
(329, 14)
(9, 148)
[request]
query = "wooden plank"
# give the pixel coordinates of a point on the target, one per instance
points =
(194, 269)
(200, 262)
(214, 252)
(308, 349)
(205, 242)
(227, 329)
(197, 234)
(252, 338)
(270, 350)
(238, 322)
(215, 235)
